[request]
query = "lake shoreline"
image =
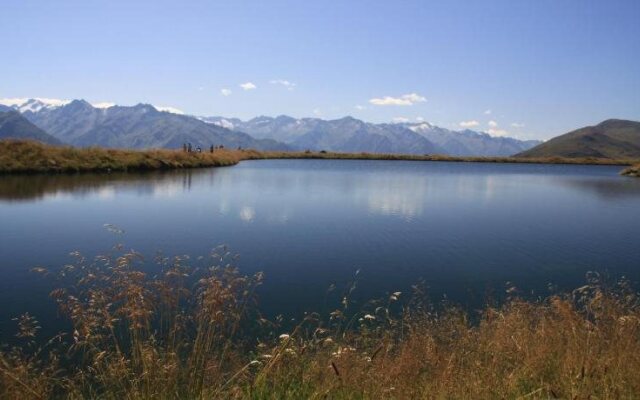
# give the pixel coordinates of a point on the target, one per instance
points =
(633, 171)
(27, 157)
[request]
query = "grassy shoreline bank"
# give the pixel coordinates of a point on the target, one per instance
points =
(632, 171)
(33, 157)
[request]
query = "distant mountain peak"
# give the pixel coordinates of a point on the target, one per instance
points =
(349, 134)
(283, 117)
(14, 125)
(34, 104)
(140, 126)
(143, 108)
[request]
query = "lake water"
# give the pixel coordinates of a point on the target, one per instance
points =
(464, 228)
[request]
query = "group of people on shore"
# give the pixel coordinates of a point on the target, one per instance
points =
(187, 148)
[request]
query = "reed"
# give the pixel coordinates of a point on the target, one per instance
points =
(193, 330)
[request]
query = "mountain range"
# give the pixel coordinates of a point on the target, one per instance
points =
(352, 135)
(613, 138)
(14, 126)
(141, 126)
(80, 123)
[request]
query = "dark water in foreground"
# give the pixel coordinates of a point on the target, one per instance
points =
(465, 228)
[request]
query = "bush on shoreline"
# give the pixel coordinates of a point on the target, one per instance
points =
(195, 332)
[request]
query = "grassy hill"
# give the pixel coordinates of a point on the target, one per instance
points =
(613, 138)
(15, 126)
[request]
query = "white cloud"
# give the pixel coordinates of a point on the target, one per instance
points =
(492, 124)
(487, 112)
(103, 104)
(404, 100)
(289, 85)
(225, 92)
(517, 125)
(200, 88)
(359, 107)
(420, 119)
(497, 132)
(168, 109)
(469, 124)
(317, 112)
(248, 86)
(398, 120)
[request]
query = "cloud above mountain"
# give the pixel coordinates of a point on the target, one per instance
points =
(497, 132)
(248, 86)
(404, 100)
(283, 82)
(469, 124)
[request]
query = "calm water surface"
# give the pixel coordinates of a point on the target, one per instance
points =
(465, 228)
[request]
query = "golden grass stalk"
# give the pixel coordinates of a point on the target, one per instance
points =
(195, 332)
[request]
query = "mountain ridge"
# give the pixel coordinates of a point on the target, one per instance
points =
(411, 138)
(611, 139)
(81, 123)
(141, 126)
(14, 125)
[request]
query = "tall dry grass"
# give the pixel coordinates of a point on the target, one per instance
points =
(193, 331)
(29, 156)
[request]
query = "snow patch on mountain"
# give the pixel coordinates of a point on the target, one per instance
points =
(33, 104)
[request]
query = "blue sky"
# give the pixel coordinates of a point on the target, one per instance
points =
(531, 69)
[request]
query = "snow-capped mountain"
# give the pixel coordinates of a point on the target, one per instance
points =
(141, 126)
(34, 105)
(346, 134)
(39, 103)
(351, 135)
(107, 124)
(470, 143)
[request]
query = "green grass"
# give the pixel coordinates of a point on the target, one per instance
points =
(196, 333)
(33, 157)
